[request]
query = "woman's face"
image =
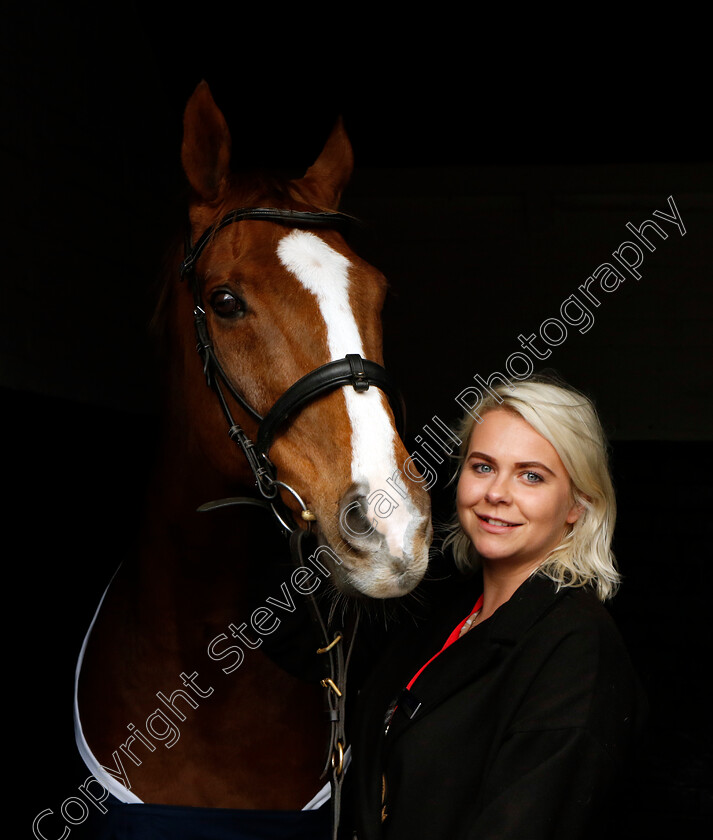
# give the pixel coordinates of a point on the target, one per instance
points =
(514, 496)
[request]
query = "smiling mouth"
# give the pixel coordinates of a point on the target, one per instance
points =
(500, 522)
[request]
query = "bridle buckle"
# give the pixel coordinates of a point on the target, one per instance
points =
(360, 381)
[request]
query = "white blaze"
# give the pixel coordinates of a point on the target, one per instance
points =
(325, 273)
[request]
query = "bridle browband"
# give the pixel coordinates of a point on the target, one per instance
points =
(352, 370)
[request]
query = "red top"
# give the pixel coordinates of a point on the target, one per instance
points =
(449, 641)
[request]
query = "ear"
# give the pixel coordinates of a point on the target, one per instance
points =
(326, 179)
(206, 145)
(577, 509)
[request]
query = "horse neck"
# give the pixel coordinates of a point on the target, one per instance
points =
(194, 563)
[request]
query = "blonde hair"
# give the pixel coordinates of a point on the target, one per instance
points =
(569, 421)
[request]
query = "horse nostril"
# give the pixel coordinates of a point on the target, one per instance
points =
(354, 521)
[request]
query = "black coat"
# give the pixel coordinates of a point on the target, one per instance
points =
(524, 724)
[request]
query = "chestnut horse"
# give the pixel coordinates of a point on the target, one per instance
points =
(193, 687)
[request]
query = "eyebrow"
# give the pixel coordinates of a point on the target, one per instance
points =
(520, 464)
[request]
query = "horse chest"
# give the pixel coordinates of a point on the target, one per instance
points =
(175, 729)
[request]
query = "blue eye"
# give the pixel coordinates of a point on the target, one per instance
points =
(482, 468)
(533, 477)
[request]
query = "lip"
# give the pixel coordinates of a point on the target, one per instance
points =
(496, 529)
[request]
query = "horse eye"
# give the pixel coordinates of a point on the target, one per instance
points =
(226, 305)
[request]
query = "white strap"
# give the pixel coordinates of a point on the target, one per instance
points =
(115, 788)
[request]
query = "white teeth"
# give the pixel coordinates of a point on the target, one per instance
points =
(496, 522)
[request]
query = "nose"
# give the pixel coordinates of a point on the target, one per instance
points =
(498, 490)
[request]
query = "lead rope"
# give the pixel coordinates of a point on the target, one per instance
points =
(336, 691)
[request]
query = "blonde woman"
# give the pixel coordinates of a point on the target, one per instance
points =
(511, 713)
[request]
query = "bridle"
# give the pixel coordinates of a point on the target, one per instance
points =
(353, 370)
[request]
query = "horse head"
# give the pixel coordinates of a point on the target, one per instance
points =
(277, 301)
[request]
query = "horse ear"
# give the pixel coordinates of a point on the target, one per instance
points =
(206, 145)
(326, 179)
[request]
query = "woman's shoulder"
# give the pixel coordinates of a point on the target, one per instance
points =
(564, 622)
(578, 639)
(570, 608)
(578, 610)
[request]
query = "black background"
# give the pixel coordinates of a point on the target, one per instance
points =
(497, 163)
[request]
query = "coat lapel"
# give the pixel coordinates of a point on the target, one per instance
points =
(467, 658)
